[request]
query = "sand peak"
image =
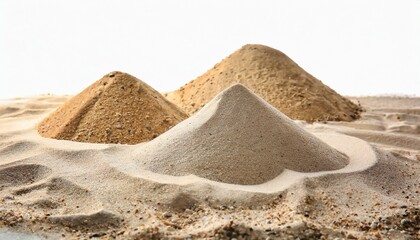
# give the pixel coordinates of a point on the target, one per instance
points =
(273, 76)
(118, 108)
(239, 138)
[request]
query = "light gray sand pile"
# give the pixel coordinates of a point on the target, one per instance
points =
(239, 138)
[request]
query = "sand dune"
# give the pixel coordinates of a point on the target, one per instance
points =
(66, 189)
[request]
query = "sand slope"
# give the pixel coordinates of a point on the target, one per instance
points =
(274, 77)
(66, 189)
(118, 108)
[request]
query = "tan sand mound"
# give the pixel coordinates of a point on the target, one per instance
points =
(118, 108)
(239, 138)
(274, 77)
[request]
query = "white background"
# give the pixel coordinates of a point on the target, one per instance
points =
(357, 47)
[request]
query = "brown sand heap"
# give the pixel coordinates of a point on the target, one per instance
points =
(273, 76)
(118, 108)
(239, 138)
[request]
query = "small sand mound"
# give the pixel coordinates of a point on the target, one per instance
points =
(118, 108)
(239, 138)
(274, 77)
(22, 174)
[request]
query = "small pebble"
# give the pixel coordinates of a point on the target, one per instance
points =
(167, 214)
(374, 225)
(351, 236)
(405, 223)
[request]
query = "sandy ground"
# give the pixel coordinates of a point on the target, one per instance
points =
(62, 189)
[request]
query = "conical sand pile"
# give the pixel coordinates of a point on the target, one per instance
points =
(239, 138)
(273, 76)
(118, 108)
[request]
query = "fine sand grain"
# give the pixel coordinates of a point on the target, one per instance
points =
(274, 77)
(62, 189)
(118, 108)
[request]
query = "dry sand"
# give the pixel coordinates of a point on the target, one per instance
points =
(239, 138)
(118, 108)
(66, 189)
(274, 77)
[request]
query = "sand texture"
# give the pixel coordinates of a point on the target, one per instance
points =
(274, 77)
(118, 108)
(60, 189)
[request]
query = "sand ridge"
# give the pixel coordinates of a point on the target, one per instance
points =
(274, 77)
(118, 108)
(238, 138)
